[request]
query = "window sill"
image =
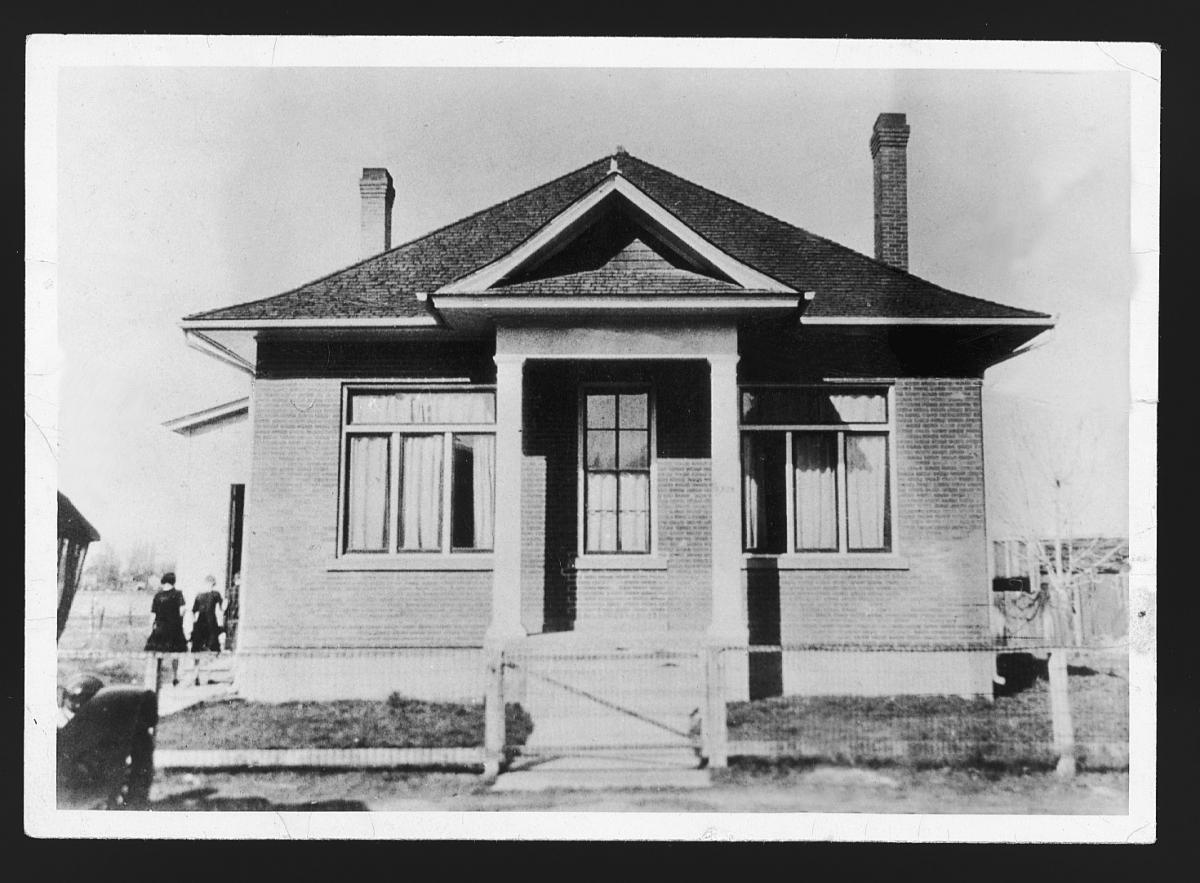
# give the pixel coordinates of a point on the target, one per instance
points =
(832, 561)
(482, 561)
(620, 562)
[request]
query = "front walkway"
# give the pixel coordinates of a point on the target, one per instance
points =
(608, 702)
(216, 682)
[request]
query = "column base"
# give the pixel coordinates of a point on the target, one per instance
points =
(735, 660)
(727, 635)
(500, 634)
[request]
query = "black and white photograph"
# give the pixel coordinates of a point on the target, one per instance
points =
(703, 438)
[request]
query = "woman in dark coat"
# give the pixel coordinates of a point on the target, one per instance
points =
(167, 634)
(206, 631)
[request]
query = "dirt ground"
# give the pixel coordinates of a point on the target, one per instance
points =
(818, 789)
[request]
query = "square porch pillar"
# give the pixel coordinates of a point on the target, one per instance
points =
(728, 629)
(728, 610)
(506, 573)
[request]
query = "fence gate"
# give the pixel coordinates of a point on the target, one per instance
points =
(604, 701)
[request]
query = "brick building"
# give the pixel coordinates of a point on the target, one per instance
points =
(618, 407)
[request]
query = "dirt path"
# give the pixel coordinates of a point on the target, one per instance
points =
(823, 789)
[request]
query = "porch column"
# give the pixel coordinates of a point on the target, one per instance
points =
(506, 573)
(728, 614)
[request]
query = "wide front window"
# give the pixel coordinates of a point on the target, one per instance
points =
(616, 469)
(420, 470)
(816, 470)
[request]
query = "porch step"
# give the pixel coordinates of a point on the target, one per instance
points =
(602, 780)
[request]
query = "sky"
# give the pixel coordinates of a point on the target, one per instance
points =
(181, 189)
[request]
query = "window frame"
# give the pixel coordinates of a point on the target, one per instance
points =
(395, 432)
(841, 431)
(617, 388)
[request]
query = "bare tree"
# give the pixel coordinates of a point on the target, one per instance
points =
(1046, 502)
(103, 570)
(142, 562)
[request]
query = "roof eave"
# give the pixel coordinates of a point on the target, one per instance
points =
(190, 422)
(195, 324)
(608, 303)
(1040, 321)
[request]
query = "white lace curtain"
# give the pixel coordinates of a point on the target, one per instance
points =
(866, 491)
(815, 473)
(421, 475)
(754, 476)
(424, 407)
(473, 503)
(815, 456)
(366, 509)
(603, 523)
(420, 492)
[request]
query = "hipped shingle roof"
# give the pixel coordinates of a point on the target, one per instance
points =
(847, 283)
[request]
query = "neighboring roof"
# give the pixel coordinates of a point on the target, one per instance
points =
(71, 524)
(189, 423)
(847, 284)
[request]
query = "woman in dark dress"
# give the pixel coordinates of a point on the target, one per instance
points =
(167, 634)
(206, 631)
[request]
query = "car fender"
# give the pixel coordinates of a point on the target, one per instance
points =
(93, 745)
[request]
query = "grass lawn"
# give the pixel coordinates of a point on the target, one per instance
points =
(934, 731)
(395, 723)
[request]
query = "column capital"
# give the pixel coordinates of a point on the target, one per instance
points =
(723, 360)
(509, 359)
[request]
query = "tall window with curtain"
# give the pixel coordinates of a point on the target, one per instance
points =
(816, 469)
(616, 470)
(420, 471)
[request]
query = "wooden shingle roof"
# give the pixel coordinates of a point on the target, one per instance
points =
(847, 284)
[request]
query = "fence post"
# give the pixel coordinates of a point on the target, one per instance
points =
(493, 713)
(715, 733)
(155, 673)
(1060, 714)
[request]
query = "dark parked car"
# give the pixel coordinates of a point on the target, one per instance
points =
(106, 745)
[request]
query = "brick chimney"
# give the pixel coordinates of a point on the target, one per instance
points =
(378, 194)
(889, 148)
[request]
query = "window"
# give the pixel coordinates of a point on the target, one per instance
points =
(420, 470)
(616, 470)
(816, 470)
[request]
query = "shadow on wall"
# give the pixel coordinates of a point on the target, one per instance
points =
(550, 432)
(762, 601)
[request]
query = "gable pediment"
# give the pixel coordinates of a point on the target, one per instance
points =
(615, 240)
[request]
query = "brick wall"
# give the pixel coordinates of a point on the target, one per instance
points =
(616, 600)
(293, 599)
(943, 595)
